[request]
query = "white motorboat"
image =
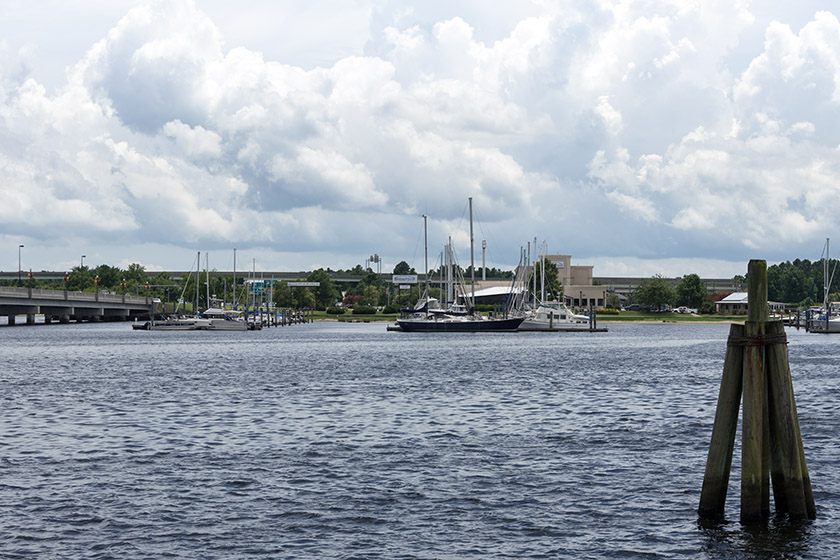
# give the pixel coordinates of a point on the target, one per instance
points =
(554, 316)
(213, 319)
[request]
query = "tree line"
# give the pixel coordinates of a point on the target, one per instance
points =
(658, 293)
(798, 282)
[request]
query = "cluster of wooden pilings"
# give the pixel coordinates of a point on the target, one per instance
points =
(756, 367)
(293, 317)
(283, 317)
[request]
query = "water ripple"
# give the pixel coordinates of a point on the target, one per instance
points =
(345, 441)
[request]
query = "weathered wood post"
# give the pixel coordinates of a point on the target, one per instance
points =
(719, 462)
(756, 367)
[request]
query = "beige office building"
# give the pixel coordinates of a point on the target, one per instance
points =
(578, 290)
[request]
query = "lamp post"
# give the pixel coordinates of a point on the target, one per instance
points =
(19, 248)
(82, 264)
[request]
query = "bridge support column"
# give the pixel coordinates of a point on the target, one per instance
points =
(11, 319)
(30, 318)
(64, 319)
(47, 318)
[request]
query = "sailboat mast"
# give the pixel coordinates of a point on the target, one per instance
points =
(207, 283)
(535, 272)
(527, 281)
(234, 277)
(197, 279)
(450, 297)
(825, 277)
(472, 258)
(426, 250)
(542, 272)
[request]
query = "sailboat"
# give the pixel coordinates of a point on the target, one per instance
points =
(211, 319)
(825, 322)
(544, 315)
(445, 321)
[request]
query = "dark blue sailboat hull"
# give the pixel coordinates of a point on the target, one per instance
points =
(488, 325)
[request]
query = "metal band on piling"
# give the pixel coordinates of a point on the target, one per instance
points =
(757, 339)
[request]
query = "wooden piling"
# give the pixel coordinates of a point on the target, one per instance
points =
(755, 503)
(771, 442)
(719, 462)
(797, 498)
(752, 431)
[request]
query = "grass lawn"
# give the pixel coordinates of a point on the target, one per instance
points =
(668, 317)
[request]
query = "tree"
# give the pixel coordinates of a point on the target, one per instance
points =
(655, 292)
(165, 287)
(109, 277)
(135, 274)
(553, 287)
(691, 291)
(302, 297)
(80, 279)
(286, 296)
(325, 294)
(371, 296)
(370, 278)
(403, 268)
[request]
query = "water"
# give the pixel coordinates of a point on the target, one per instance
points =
(346, 441)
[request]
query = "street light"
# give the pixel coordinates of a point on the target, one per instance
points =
(19, 248)
(82, 265)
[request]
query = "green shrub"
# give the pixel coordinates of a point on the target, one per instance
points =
(364, 310)
(390, 309)
(336, 311)
(603, 311)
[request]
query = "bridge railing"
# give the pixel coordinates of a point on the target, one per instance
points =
(13, 292)
(45, 294)
(37, 293)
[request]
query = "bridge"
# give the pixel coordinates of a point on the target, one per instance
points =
(180, 275)
(65, 306)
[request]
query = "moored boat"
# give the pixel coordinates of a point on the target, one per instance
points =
(455, 323)
(554, 316)
(455, 317)
(213, 319)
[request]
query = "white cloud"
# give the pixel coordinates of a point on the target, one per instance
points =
(662, 126)
(195, 142)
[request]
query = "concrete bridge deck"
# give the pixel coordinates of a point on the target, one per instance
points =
(65, 306)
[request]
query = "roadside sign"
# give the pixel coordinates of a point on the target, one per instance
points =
(404, 279)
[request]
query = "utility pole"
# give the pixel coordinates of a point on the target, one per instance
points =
(483, 260)
(19, 248)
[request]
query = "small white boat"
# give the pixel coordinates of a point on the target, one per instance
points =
(216, 319)
(554, 316)
(213, 319)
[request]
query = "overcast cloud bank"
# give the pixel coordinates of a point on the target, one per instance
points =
(656, 137)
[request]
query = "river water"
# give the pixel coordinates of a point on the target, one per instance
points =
(346, 441)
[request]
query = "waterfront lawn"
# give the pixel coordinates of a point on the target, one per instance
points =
(667, 317)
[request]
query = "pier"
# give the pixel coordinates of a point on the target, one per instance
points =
(65, 306)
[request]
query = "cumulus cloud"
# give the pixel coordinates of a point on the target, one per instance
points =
(656, 126)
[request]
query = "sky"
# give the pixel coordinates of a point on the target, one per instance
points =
(641, 137)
